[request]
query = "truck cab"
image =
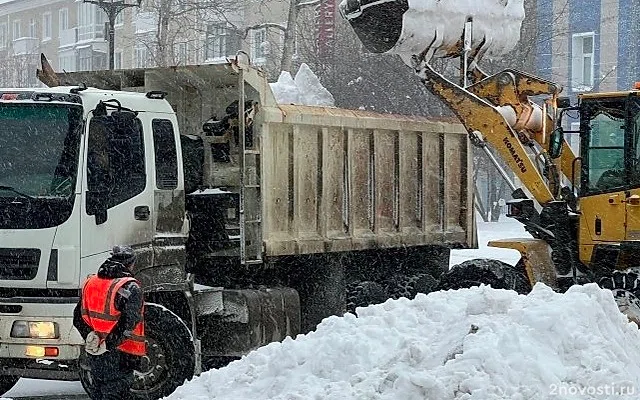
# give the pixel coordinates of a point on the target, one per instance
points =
(82, 170)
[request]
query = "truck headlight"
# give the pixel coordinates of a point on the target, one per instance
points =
(35, 330)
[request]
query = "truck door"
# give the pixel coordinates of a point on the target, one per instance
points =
(118, 198)
(633, 161)
(602, 203)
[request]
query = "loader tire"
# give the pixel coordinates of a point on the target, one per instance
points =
(169, 362)
(7, 382)
(495, 273)
(364, 293)
(410, 285)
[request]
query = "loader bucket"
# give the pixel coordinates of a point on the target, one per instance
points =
(378, 24)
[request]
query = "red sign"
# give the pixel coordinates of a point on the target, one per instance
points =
(326, 27)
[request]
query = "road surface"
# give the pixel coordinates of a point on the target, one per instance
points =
(34, 389)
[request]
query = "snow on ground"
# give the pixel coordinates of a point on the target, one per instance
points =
(506, 228)
(477, 343)
(304, 89)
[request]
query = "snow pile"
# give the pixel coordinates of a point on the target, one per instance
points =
(305, 89)
(498, 21)
(477, 343)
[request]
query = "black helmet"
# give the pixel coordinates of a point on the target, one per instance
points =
(123, 254)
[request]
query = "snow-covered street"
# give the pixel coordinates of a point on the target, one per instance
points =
(506, 228)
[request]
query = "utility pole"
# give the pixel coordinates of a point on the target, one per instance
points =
(112, 8)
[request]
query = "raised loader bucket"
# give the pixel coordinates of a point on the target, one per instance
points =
(378, 24)
(435, 27)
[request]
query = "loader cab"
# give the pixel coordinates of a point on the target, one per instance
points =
(610, 172)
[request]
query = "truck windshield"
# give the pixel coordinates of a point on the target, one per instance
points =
(39, 145)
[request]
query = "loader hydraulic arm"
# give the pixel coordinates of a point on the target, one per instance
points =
(484, 121)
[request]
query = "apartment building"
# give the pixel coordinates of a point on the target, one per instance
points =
(72, 34)
(588, 45)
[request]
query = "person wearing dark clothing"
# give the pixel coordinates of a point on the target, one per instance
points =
(109, 316)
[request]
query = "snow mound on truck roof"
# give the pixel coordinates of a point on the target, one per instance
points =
(477, 343)
(305, 89)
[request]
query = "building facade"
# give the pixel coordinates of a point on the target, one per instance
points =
(72, 35)
(588, 46)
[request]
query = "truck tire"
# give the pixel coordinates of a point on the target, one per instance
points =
(497, 274)
(7, 382)
(364, 293)
(170, 359)
(410, 285)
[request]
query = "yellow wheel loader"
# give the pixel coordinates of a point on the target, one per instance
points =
(583, 212)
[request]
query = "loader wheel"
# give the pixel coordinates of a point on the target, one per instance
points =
(410, 285)
(170, 358)
(7, 382)
(364, 293)
(497, 274)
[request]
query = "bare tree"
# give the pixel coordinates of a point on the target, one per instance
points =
(179, 21)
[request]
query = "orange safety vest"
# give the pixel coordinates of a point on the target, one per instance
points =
(100, 313)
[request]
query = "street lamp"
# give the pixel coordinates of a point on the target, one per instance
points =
(112, 8)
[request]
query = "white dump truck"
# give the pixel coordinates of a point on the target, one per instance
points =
(251, 220)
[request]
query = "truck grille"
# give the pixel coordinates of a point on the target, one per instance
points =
(19, 264)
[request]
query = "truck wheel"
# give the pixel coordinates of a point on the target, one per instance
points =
(410, 285)
(7, 382)
(170, 359)
(497, 274)
(364, 293)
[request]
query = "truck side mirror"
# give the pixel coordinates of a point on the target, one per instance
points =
(97, 205)
(555, 142)
(563, 102)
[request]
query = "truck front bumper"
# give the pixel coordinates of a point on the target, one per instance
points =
(19, 356)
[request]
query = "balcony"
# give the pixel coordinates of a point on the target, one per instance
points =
(68, 37)
(26, 46)
(90, 32)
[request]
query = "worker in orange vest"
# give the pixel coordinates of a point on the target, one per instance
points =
(109, 316)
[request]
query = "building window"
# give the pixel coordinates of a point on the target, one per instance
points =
(216, 41)
(84, 59)
(91, 21)
(16, 29)
(63, 16)
(181, 53)
(259, 45)
(3, 35)
(68, 62)
(141, 57)
(32, 28)
(117, 60)
(583, 60)
(120, 18)
(46, 26)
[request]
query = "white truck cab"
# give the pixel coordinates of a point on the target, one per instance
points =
(59, 144)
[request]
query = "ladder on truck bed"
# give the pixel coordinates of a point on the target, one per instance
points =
(250, 210)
